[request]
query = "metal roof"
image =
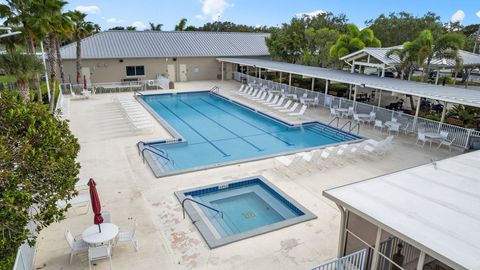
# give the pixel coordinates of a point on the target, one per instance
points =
(469, 59)
(140, 44)
(435, 209)
(451, 94)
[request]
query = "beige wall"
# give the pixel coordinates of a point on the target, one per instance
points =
(112, 70)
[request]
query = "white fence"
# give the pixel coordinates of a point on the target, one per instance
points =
(461, 135)
(26, 253)
(116, 87)
(354, 261)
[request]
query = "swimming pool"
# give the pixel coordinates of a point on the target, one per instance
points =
(232, 211)
(211, 130)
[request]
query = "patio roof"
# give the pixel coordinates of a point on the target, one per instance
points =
(455, 95)
(435, 209)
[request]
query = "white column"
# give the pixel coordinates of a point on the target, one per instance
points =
(326, 87)
(442, 119)
(352, 70)
(349, 91)
(379, 97)
(383, 71)
(313, 83)
(343, 224)
(256, 71)
(289, 79)
(45, 67)
(417, 111)
(280, 77)
(421, 260)
(354, 93)
(260, 73)
(375, 250)
(222, 72)
(437, 76)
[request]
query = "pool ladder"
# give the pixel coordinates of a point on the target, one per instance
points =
(157, 152)
(201, 204)
(215, 89)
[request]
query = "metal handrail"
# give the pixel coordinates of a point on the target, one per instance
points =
(162, 154)
(357, 125)
(349, 123)
(215, 89)
(201, 204)
(336, 118)
(138, 146)
(135, 92)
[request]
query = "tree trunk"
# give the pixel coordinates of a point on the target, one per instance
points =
(79, 55)
(25, 90)
(52, 65)
(31, 50)
(59, 60)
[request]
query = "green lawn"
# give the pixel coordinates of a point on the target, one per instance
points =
(7, 79)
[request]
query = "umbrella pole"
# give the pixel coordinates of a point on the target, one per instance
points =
(99, 228)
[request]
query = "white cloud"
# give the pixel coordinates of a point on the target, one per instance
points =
(200, 17)
(478, 13)
(88, 9)
(214, 8)
(115, 20)
(310, 14)
(139, 25)
(458, 16)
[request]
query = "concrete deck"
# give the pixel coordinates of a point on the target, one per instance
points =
(127, 188)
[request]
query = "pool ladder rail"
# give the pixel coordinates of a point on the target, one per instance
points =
(157, 152)
(201, 204)
(215, 89)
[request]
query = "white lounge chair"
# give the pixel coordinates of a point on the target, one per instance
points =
(241, 89)
(82, 200)
(129, 236)
(284, 106)
(278, 103)
(321, 161)
(249, 90)
(293, 163)
(267, 99)
(76, 246)
(99, 253)
(253, 94)
(294, 106)
(299, 113)
(273, 101)
(258, 95)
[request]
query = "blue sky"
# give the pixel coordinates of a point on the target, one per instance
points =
(109, 13)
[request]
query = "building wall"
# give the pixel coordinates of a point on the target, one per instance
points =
(114, 70)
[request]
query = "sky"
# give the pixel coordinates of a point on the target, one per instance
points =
(110, 13)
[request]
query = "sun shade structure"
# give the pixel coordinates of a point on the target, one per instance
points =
(96, 206)
(434, 207)
(436, 92)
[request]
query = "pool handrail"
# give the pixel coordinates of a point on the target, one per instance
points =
(201, 204)
(335, 118)
(160, 153)
(357, 125)
(215, 89)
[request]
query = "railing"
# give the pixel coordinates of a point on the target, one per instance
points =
(215, 89)
(336, 118)
(349, 123)
(201, 204)
(354, 261)
(357, 125)
(389, 247)
(59, 104)
(461, 135)
(112, 87)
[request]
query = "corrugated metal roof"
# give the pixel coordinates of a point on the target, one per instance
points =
(469, 59)
(139, 44)
(437, 92)
(435, 208)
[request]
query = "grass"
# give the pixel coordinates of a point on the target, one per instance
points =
(7, 79)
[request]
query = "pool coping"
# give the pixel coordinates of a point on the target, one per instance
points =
(178, 138)
(208, 236)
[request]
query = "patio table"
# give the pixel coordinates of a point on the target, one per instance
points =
(433, 135)
(341, 111)
(92, 236)
(391, 123)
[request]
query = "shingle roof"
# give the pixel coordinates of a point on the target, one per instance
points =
(139, 44)
(469, 59)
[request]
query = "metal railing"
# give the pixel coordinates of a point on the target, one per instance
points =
(201, 204)
(215, 89)
(354, 261)
(408, 122)
(389, 247)
(114, 87)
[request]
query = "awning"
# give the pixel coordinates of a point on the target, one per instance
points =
(451, 94)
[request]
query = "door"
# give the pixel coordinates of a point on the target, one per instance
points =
(171, 72)
(85, 76)
(183, 72)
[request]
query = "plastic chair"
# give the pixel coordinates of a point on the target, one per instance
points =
(129, 236)
(76, 246)
(99, 253)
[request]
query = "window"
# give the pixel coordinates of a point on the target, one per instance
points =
(135, 70)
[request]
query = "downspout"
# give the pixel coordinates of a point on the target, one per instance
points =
(342, 234)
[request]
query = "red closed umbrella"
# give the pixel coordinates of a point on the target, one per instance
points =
(96, 207)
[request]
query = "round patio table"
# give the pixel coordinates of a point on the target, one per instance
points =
(92, 236)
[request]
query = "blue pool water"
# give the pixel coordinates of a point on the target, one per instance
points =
(217, 131)
(247, 208)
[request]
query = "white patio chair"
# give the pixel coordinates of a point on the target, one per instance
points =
(76, 246)
(99, 253)
(421, 138)
(446, 142)
(350, 111)
(444, 135)
(394, 119)
(333, 112)
(373, 115)
(299, 113)
(294, 106)
(107, 217)
(394, 128)
(379, 124)
(129, 236)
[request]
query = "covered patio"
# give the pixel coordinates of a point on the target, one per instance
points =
(425, 217)
(358, 82)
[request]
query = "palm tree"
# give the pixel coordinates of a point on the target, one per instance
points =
(155, 27)
(24, 67)
(20, 13)
(445, 46)
(81, 29)
(181, 25)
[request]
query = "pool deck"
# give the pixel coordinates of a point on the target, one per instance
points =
(128, 188)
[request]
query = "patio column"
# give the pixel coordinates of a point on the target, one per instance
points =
(352, 70)
(248, 69)
(379, 97)
(260, 73)
(326, 87)
(256, 71)
(383, 71)
(436, 77)
(280, 77)
(349, 91)
(313, 83)
(222, 72)
(289, 79)
(375, 250)
(442, 119)
(355, 93)
(421, 260)
(417, 111)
